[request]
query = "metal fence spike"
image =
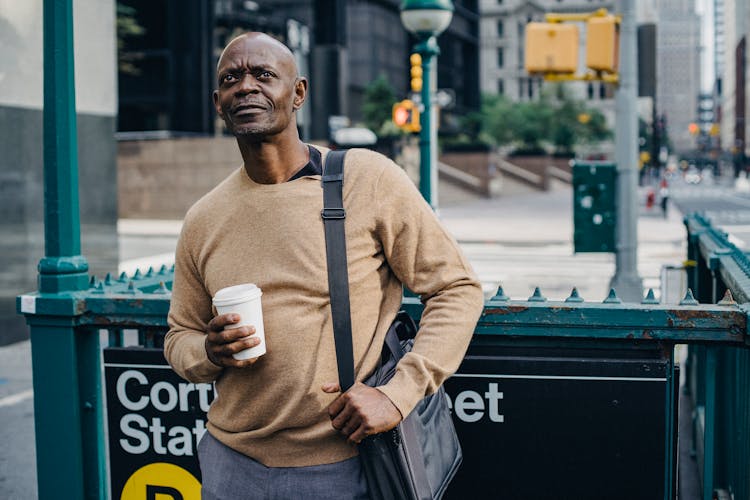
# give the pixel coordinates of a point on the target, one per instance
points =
(162, 290)
(500, 295)
(137, 274)
(150, 272)
(537, 296)
(727, 300)
(650, 298)
(99, 288)
(92, 282)
(172, 269)
(123, 277)
(108, 279)
(163, 269)
(574, 296)
(131, 287)
(689, 300)
(612, 298)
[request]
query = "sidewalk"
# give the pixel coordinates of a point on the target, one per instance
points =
(521, 240)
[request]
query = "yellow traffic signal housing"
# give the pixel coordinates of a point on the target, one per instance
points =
(602, 43)
(551, 48)
(406, 116)
(415, 73)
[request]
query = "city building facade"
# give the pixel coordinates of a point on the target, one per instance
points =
(503, 26)
(732, 76)
(678, 68)
(341, 45)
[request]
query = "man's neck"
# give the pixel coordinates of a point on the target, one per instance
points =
(273, 162)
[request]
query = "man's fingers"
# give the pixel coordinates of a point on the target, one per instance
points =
(331, 387)
(230, 334)
(219, 322)
(237, 345)
(351, 425)
(340, 417)
(358, 435)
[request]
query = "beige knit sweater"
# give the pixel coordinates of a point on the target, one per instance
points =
(272, 235)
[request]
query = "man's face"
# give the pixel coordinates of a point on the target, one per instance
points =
(258, 88)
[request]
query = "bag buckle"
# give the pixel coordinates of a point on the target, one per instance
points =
(333, 213)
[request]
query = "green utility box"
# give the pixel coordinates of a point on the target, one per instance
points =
(594, 215)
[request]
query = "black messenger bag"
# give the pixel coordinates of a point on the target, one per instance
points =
(418, 458)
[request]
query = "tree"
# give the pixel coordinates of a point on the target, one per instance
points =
(496, 118)
(127, 26)
(377, 105)
(573, 123)
(531, 125)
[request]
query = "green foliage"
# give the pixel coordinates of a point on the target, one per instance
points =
(127, 26)
(562, 122)
(377, 106)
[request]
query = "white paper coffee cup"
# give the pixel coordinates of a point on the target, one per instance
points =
(245, 301)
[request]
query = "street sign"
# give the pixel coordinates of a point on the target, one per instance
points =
(561, 423)
(445, 98)
(155, 420)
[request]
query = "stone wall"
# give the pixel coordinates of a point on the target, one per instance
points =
(481, 166)
(161, 179)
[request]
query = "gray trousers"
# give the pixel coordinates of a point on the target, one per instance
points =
(229, 475)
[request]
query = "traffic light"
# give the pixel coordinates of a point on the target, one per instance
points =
(415, 72)
(693, 128)
(602, 43)
(551, 48)
(406, 116)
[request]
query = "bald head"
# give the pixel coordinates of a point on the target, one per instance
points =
(262, 39)
(259, 89)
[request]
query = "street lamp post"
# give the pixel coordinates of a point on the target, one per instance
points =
(426, 19)
(626, 280)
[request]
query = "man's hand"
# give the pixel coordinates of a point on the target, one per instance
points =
(221, 344)
(361, 411)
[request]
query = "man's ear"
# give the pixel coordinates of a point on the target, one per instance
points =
(300, 92)
(217, 105)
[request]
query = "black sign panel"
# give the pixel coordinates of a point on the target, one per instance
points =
(533, 424)
(155, 421)
(541, 427)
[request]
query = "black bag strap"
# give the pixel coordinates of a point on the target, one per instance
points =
(333, 215)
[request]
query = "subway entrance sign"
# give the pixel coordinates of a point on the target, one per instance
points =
(594, 210)
(564, 423)
(155, 420)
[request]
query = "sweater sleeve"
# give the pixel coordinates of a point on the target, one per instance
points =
(189, 314)
(429, 262)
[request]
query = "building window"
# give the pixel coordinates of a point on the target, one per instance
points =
(530, 88)
(590, 91)
(500, 28)
(500, 87)
(602, 91)
(520, 87)
(500, 58)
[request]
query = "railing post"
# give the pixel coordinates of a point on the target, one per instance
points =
(709, 436)
(68, 414)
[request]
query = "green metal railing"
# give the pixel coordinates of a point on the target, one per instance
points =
(112, 308)
(718, 377)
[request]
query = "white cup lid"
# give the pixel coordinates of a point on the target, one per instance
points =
(235, 294)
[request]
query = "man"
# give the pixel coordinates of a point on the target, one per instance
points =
(279, 428)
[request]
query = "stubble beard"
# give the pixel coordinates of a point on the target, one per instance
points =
(253, 132)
